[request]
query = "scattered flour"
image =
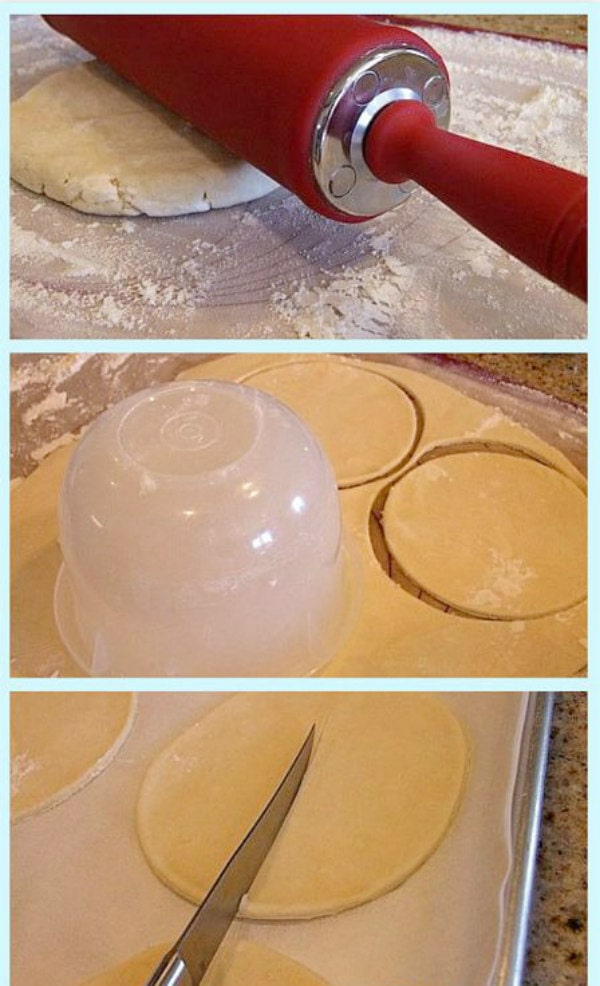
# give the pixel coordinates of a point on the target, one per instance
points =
(493, 420)
(42, 451)
(275, 269)
(54, 397)
(20, 767)
(53, 402)
(505, 581)
(433, 471)
(45, 369)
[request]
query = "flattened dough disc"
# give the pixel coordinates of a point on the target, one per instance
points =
(380, 792)
(240, 964)
(85, 137)
(60, 741)
(366, 423)
(491, 534)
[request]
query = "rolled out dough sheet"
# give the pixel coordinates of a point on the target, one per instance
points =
(394, 631)
(241, 964)
(62, 740)
(382, 787)
(85, 137)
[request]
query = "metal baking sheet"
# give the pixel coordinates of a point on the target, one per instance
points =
(273, 268)
(526, 820)
(84, 898)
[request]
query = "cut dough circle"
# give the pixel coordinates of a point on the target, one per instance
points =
(85, 137)
(490, 533)
(366, 424)
(60, 741)
(242, 963)
(383, 785)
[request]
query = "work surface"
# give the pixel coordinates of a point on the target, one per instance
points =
(274, 269)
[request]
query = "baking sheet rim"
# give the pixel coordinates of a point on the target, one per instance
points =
(528, 794)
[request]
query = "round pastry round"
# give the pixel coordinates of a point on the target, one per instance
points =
(366, 424)
(60, 741)
(491, 534)
(85, 137)
(382, 787)
(241, 963)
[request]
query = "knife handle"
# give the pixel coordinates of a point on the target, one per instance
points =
(171, 971)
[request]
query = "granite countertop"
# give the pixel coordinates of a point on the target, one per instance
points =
(557, 945)
(555, 27)
(562, 375)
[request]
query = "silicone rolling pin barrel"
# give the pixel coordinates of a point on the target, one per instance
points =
(343, 111)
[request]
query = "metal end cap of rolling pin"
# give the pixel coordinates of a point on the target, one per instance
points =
(380, 78)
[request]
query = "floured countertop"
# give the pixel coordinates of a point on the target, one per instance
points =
(273, 269)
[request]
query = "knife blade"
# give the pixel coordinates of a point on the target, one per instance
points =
(186, 963)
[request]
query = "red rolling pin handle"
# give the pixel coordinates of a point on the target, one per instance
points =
(534, 210)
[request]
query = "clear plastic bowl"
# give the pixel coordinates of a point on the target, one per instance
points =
(201, 535)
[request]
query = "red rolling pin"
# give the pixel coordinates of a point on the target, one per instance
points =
(344, 111)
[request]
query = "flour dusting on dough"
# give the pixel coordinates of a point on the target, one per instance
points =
(21, 766)
(494, 420)
(433, 471)
(505, 581)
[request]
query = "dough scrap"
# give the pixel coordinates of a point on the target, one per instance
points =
(348, 421)
(491, 534)
(241, 963)
(60, 741)
(383, 785)
(87, 138)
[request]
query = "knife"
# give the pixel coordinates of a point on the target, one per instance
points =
(186, 963)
